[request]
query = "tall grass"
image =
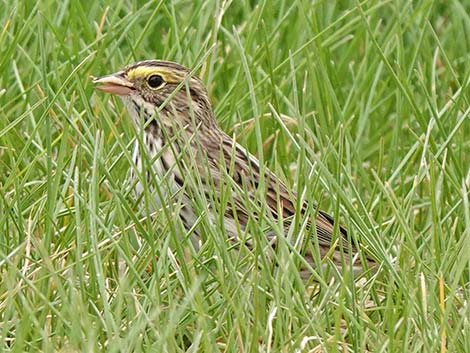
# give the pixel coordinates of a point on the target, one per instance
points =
(361, 106)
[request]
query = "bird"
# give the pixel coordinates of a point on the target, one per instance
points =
(169, 105)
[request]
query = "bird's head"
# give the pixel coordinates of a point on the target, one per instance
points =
(168, 87)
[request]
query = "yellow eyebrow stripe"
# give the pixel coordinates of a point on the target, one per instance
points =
(146, 71)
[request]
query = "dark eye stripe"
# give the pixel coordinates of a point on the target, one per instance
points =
(155, 81)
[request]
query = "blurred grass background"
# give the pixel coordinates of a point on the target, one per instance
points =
(361, 104)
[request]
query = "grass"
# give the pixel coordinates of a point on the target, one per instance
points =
(361, 106)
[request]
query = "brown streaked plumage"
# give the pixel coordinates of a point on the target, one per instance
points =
(181, 136)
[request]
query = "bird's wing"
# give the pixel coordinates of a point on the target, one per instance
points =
(246, 171)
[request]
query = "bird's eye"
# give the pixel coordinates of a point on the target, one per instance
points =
(155, 81)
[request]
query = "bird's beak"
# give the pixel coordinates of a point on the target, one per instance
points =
(116, 83)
